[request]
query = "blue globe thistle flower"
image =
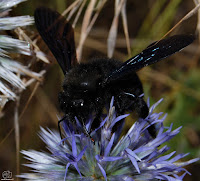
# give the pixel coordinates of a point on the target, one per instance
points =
(135, 156)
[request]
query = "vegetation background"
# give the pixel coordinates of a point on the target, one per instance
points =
(176, 79)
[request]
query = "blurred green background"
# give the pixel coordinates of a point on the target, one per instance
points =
(176, 79)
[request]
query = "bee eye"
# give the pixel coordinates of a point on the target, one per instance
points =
(78, 103)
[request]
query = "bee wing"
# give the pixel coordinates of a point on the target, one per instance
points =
(152, 54)
(58, 34)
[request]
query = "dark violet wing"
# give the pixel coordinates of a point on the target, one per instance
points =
(58, 34)
(152, 54)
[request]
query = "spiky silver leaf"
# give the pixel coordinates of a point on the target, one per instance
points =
(7, 4)
(8, 44)
(10, 23)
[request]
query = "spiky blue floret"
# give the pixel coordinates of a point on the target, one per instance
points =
(133, 156)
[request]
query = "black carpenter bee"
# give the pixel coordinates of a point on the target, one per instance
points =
(87, 88)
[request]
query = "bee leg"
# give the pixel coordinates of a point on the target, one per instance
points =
(59, 129)
(143, 111)
(97, 120)
(152, 131)
(88, 133)
(141, 107)
(85, 131)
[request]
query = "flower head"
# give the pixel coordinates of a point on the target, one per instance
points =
(112, 156)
